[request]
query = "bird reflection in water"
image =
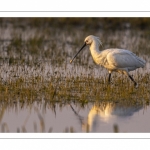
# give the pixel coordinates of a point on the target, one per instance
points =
(105, 112)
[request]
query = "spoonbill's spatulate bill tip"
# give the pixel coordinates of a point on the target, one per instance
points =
(118, 60)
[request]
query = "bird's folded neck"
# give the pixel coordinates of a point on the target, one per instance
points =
(94, 48)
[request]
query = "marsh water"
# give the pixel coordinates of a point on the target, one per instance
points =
(71, 118)
(40, 91)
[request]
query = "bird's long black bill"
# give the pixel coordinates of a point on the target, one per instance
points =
(77, 53)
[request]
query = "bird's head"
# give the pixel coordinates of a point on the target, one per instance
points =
(88, 41)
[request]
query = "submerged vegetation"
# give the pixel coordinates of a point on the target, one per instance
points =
(35, 55)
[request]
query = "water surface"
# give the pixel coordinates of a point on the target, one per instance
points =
(106, 118)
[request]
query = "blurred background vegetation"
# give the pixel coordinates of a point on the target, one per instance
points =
(108, 23)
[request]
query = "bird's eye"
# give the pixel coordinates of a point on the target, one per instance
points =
(86, 41)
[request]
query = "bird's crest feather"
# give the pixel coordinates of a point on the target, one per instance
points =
(99, 41)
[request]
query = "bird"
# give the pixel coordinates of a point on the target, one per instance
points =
(113, 59)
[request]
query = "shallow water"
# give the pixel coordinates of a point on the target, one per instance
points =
(106, 117)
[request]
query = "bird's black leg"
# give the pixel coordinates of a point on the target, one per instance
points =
(135, 84)
(109, 77)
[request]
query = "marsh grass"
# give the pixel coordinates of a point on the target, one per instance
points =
(36, 66)
(79, 89)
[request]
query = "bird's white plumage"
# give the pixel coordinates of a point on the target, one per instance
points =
(114, 59)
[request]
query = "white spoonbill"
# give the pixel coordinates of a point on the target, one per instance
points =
(113, 59)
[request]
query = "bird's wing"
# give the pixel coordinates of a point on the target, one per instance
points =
(124, 59)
